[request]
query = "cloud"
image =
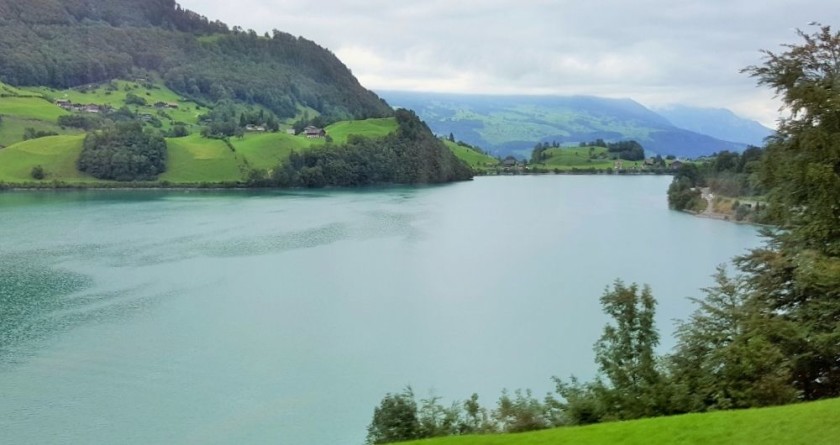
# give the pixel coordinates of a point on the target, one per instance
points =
(654, 51)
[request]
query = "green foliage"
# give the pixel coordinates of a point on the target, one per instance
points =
(116, 39)
(38, 172)
(683, 196)
(410, 155)
(124, 153)
(726, 357)
(625, 352)
(797, 275)
(81, 121)
(133, 99)
(395, 419)
(32, 133)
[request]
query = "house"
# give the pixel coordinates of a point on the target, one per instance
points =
(92, 108)
(172, 105)
(314, 132)
(251, 127)
(64, 103)
(676, 165)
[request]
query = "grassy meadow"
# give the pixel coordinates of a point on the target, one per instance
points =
(473, 158)
(814, 423)
(194, 159)
(568, 158)
(56, 154)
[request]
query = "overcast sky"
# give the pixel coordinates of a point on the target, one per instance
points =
(657, 52)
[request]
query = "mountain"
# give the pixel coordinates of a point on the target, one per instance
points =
(506, 125)
(716, 122)
(69, 43)
(110, 93)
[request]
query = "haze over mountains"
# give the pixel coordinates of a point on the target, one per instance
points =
(504, 125)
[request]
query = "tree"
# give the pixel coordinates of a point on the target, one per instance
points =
(797, 275)
(625, 351)
(38, 172)
(395, 419)
(725, 356)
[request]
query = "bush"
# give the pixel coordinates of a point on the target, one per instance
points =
(38, 172)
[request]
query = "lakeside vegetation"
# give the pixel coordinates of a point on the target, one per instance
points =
(766, 335)
(811, 423)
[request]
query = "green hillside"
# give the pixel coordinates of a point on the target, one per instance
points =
(136, 72)
(267, 150)
(56, 154)
(368, 127)
(473, 158)
(813, 423)
(71, 43)
(194, 159)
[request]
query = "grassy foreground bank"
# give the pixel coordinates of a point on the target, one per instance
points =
(815, 423)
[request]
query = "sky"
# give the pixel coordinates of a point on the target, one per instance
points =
(656, 52)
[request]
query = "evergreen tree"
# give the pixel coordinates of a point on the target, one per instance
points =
(797, 275)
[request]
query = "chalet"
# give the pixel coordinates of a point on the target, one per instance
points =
(64, 103)
(92, 108)
(251, 127)
(650, 162)
(676, 165)
(314, 132)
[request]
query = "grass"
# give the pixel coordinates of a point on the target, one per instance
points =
(30, 108)
(814, 423)
(339, 131)
(115, 92)
(12, 128)
(193, 159)
(473, 158)
(267, 150)
(57, 154)
(568, 158)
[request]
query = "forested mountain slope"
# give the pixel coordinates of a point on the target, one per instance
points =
(66, 43)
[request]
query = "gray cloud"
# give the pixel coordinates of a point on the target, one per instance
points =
(654, 51)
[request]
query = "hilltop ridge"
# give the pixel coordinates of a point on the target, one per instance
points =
(69, 43)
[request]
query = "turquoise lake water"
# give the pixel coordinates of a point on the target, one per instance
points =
(284, 317)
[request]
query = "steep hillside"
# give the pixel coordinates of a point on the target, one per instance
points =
(66, 43)
(716, 122)
(513, 124)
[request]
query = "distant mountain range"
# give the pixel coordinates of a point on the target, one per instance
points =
(504, 125)
(718, 123)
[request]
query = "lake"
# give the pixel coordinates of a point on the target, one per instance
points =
(194, 317)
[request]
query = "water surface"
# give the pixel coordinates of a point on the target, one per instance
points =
(284, 317)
